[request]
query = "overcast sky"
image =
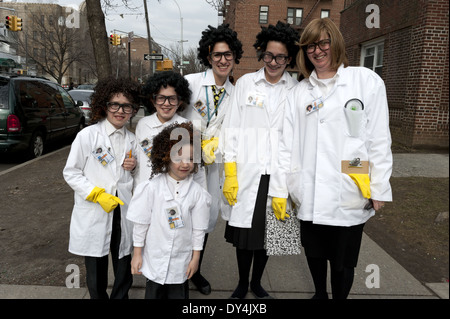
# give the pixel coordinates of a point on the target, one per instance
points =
(164, 17)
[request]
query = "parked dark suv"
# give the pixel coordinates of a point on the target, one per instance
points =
(34, 111)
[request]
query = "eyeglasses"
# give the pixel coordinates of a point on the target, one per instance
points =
(279, 59)
(126, 107)
(323, 45)
(161, 99)
(217, 56)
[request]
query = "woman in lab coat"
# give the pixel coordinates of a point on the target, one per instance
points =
(335, 159)
(250, 138)
(219, 50)
(98, 169)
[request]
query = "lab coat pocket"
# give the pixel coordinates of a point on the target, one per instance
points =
(354, 119)
(351, 197)
(294, 187)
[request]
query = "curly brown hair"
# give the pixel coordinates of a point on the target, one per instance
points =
(106, 89)
(165, 140)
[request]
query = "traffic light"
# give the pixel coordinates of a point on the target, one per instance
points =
(114, 39)
(165, 65)
(8, 22)
(17, 24)
(13, 23)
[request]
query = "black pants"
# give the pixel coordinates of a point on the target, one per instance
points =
(97, 268)
(154, 290)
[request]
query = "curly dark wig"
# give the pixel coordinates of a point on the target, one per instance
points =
(163, 79)
(106, 89)
(282, 32)
(162, 146)
(213, 35)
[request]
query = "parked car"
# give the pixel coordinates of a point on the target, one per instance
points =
(82, 99)
(85, 87)
(33, 112)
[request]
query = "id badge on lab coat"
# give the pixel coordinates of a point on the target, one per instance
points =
(200, 107)
(255, 99)
(174, 217)
(102, 155)
(314, 106)
(146, 146)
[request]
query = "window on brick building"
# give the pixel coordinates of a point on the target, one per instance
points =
(372, 56)
(294, 16)
(325, 13)
(263, 14)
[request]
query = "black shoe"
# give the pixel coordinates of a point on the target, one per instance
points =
(322, 296)
(259, 292)
(240, 292)
(201, 284)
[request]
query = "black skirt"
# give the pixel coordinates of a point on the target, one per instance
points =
(339, 244)
(252, 238)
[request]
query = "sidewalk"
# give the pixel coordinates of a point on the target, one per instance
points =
(288, 277)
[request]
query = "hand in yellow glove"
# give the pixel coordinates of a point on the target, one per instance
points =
(107, 201)
(363, 182)
(209, 147)
(230, 185)
(279, 208)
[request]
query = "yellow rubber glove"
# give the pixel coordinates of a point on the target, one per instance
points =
(363, 182)
(107, 201)
(209, 147)
(279, 208)
(230, 185)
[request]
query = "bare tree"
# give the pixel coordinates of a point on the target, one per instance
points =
(218, 4)
(194, 65)
(52, 46)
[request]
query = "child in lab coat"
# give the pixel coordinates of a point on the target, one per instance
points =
(165, 95)
(170, 213)
(98, 169)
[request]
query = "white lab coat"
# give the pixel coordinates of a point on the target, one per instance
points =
(313, 145)
(91, 226)
(167, 252)
(201, 105)
(147, 128)
(250, 137)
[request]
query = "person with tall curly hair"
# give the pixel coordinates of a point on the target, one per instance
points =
(219, 50)
(250, 143)
(165, 95)
(98, 169)
(170, 213)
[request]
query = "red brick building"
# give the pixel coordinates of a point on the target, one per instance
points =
(247, 17)
(405, 41)
(409, 49)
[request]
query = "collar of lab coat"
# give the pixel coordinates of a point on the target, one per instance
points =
(208, 80)
(110, 129)
(154, 122)
(285, 79)
(182, 191)
(341, 75)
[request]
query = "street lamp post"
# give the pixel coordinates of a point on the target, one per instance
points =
(181, 42)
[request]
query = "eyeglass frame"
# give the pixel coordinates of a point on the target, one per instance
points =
(222, 54)
(120, 105)
(276, 57)
(317, 44)
(166, 98)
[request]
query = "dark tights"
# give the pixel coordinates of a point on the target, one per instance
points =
(341, 281)
(244, 260)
